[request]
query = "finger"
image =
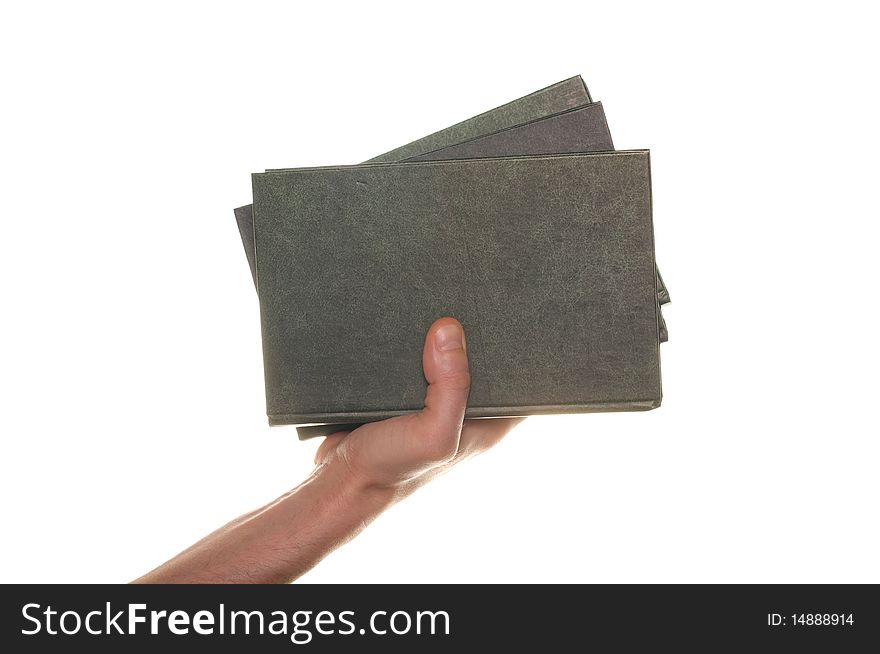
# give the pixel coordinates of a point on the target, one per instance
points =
(445, 364)
(325, 449)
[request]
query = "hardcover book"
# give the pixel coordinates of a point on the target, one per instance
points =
(547, 260)
(563, 95)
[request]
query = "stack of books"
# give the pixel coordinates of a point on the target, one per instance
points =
(522, 222)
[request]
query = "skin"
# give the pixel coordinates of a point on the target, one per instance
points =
(358, 475)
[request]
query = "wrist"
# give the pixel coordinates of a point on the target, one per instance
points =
(351, 489)
(336, 502)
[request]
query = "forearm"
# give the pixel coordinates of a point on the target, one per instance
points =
(280, 541)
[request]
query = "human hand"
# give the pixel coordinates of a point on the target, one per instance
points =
(406, 451)
(358, 475)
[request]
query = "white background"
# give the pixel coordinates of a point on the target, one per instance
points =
(132, 415)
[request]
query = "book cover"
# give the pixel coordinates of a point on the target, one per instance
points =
(552, 99)
(547, 261)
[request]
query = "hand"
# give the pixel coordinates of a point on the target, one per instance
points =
(358, 475)
(406, 451)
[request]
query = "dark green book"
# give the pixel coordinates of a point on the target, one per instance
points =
(563, 95)
(548, 262)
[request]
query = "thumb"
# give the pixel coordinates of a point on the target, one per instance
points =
(445, 363)
(400, 448)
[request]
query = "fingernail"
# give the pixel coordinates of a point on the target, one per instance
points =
(449, 337)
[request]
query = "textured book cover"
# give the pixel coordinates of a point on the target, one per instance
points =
(582, 129)
(563, 95)
(547, 261)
